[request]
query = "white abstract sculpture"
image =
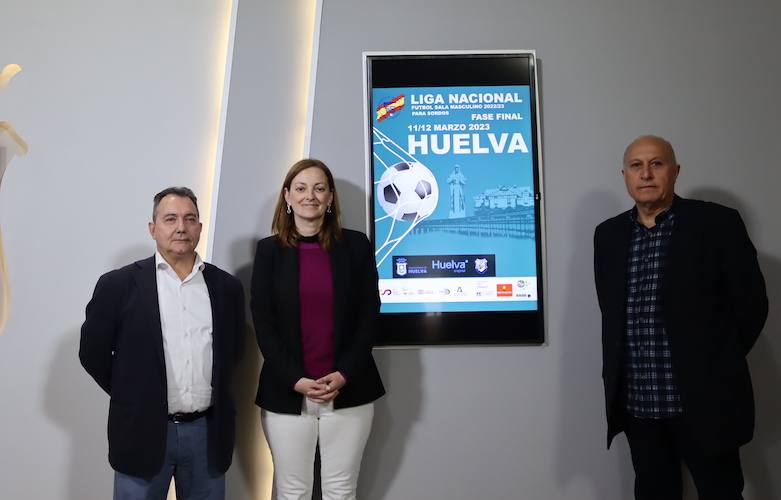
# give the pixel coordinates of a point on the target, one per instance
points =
(11, 145)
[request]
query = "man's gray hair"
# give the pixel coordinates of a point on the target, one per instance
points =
(178, 191)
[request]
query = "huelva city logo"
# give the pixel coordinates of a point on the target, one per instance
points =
(11, 145)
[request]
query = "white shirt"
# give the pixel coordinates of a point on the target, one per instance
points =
(186, 321)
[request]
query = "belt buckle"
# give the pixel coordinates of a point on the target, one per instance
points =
(175, 418)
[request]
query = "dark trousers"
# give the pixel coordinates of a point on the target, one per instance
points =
(658, 447)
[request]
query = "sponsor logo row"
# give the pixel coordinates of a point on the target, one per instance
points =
(460, 291)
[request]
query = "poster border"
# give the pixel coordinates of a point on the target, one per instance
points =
(539, 171)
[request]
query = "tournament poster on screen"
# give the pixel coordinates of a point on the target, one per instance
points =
(454, 198)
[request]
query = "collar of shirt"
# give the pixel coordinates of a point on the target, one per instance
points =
(660, 218)
(162, 264)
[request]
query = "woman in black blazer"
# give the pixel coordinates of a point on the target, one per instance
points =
(314, 304)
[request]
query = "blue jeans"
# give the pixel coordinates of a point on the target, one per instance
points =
(186, 459)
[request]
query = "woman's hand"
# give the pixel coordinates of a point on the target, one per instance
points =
(331, 384)
(322, 390)
(307, 386)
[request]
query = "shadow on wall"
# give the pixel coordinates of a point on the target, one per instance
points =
(352, 199)
(394, 416)
(581, 390)
(75, 403)
(249, 476)
(763, 454)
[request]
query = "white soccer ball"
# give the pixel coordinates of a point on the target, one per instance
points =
(407, 191)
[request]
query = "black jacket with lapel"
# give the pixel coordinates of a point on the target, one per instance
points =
(714, 306)
(122, 349)
(275, 308)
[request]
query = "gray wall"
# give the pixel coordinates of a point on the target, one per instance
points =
(527, 422)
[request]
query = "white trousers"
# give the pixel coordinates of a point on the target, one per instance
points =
(342, 435)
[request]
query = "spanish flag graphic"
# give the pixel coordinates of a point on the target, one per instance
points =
(388, 108)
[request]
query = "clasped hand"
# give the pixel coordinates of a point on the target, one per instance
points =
(322, 390)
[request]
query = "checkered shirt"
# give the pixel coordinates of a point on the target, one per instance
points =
(651, 390)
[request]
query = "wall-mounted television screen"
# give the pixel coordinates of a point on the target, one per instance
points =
(455, 201)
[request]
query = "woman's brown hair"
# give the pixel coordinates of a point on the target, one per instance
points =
(283, 224)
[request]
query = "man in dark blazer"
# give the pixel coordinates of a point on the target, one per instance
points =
(161, 337)
(683, 301)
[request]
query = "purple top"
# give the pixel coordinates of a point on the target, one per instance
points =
(315, 289)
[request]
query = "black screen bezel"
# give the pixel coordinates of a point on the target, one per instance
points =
(443, 70)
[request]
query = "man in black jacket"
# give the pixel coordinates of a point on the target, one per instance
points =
(161, 337)
(683, 301)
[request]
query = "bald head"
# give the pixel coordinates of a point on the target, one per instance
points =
(660, 142)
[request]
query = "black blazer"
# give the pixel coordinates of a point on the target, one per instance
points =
(274, 301)
(122, 349)
(714, 306)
